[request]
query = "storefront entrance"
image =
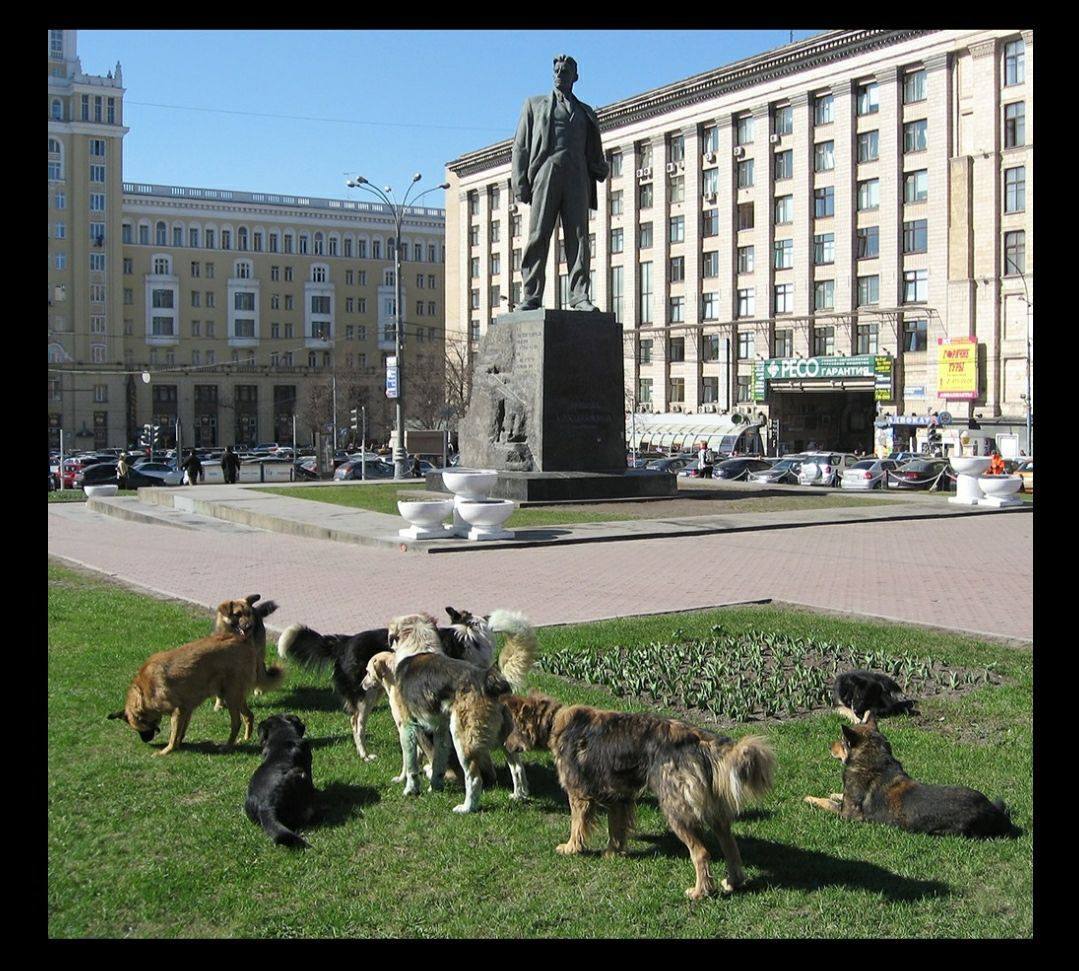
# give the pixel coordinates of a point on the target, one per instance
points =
(839, 420)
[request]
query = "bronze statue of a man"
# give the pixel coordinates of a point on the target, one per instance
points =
(557, 161)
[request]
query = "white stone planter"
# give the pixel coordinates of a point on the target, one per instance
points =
(100, 490)
(425, 517)
(485, 517)
(1000, 490)
(967, 490)
(474, 484)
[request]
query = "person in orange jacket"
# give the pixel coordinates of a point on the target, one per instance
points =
(996, 464)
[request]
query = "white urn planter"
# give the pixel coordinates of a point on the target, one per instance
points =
(969, 468)
(1000, 490)
(100, 490)
(425, 518)
(485, 517)
(467, 484)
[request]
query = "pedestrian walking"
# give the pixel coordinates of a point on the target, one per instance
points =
(416, 471)
(230, 465)
(122, 469)
(704, 467)
(192, 469)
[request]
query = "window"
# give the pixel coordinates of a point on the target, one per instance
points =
(144, 235)
(914, 86)
(210, 272)
(867, 243)
(644, 237)
(743, 134)
(61, 261)
(677, 352)
(709, 182)
(915, 236)
(61, 231)
(744, 389)
(97, 173)
(319, 304)
(245, 327)
(473, 235)
(1014, 63)
(97, 147)
(745, 174)
(617, 244)
(677, 226)
(678, 269)
(709, 138)
(710, 264)
(747, 302)
(644, 352)
(783, 254)
(474, 267)
(868, 102)
(243, 270)
(1015, 124)
(869, 195)
(783, 120)
(914, 335)
(822, 110)
(745, 259)
(645, 196)
(616, 203)
(193, 238)
(824, 202)
(916, 186)
(710, 305)
(868, 146)
(495, 265)
(644, 389)
(495, 231)
(783, 343)
(783, 294)
(161, 327)
(710, 222)
(746, 345)
(161, 299)
(645, 303)
(824, 295)
(244, 301)
(195, 298)
(914, 136)
(710, 390)
(129, 266)
(823, 341)
(1015, 253)
(745, 215)
(784, 165)
(616, 291)
(473, 203)
(1015, 189)
(784, 210)
(824, 157)
(868, 290)
(866, 339)
(824, 249)
(677, 189)
(644, 154)
(710, 347)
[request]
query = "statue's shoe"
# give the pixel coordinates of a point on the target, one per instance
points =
(584, 305)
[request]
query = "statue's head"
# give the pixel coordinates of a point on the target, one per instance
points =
(565, 71)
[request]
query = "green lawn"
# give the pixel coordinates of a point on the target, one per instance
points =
(77, 495)
(141, 846)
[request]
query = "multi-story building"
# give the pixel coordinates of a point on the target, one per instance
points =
(230, 312)
(802, 236)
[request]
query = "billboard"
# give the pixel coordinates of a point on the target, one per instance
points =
(957, 368)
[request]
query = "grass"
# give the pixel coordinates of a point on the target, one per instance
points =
(383, 498)
(77, 495)
(144, 847)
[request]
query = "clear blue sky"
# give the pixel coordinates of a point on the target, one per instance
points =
(383, 103)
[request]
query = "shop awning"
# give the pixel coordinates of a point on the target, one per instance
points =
(675, 431)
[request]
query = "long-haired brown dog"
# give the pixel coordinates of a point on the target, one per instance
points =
(608, 758)
(454, 699)
(228, 619)
(227, 665)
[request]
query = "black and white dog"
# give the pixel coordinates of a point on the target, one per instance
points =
(282, 793)
(857, 693)
(468, 638)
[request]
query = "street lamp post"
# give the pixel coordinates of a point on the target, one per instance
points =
(400, 465)
(1027, 396)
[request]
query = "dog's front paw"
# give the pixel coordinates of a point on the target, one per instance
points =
(398, 778)
(519, 796)
(164, 751)
(612, 851)
(436, 785)
(368, 756)
(463, 808)
(567, 849)
(701, 893)
(726, 886)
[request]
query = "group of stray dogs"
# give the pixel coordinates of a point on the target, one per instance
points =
(454, 702)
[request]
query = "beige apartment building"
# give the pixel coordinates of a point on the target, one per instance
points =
(804, 237)
(241, 309)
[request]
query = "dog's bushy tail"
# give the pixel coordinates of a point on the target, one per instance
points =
(742, 772)
(519, 651)
(279, 832)
(308, 648)
(269, 677)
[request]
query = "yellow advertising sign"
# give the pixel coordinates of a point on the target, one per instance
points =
(957, 369)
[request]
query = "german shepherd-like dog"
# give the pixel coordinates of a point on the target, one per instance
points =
(281, 794)
(876, 789)
(227, 619)
(227, 665)
(468, 638)
(857, 692)
(608, 758)
(453, 699)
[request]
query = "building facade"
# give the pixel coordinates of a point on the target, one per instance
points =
(835, 236)
(243, 310)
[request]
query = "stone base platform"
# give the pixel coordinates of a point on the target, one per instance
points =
(573, 486)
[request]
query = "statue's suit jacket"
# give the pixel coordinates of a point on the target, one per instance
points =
(535, 138)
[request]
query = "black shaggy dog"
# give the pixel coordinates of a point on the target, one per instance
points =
(282, 793)
(877, 790)
(467, 639)
(857, 692)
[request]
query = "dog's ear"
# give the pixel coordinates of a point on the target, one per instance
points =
(295, 722)
(453, 615)
(118, 714)
(266, 608)
(850, 736)
(263, 730)
(870, 720)
(252, 597)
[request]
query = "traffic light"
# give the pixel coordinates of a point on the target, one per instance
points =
(355, 419)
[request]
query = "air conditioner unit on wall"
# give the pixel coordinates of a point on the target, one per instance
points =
(677, 408)
(644, 173)
(709, 197)
(774, 138)
(709, 156)
(672, 167)
(739, 151)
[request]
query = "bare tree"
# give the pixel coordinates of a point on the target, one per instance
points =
(458, 371)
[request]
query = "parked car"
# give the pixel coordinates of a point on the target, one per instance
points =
(160, 473)
(1026, 473)
(824, 468)
(782, 472)
(867, 474)
(375, 469)
(737, 469)
(921, 474)
(674, 464)
(74, 466)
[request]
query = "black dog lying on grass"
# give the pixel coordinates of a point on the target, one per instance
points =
(282, 793)
(857, 693)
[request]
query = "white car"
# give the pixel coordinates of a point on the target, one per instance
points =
(867, 474)
(824, 468)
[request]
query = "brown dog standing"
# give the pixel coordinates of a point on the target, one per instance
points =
(228, 665)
